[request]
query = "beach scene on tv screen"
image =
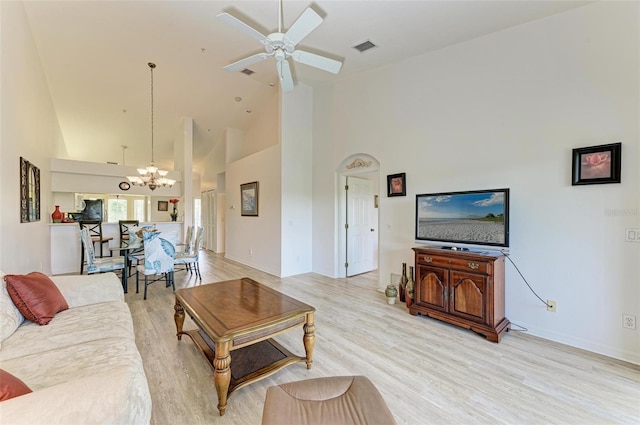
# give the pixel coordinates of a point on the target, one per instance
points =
(465, 217)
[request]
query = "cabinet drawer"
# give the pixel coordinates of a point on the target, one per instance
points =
(454, 263)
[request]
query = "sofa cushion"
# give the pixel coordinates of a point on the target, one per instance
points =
(36, 296)
(48, 368)
(11, 387)
(72, 327)
(10, 316)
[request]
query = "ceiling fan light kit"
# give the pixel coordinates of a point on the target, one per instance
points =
(282, 46)
(151, 176)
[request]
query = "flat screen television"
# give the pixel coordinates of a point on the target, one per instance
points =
(478, 217)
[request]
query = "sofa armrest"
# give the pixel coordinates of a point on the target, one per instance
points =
(117, 396)
(91, 289)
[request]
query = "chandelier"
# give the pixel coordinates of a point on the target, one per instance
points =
(151, 176)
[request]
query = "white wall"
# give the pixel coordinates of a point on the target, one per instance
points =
(214, 163)
(296, 139)
(264, 130)
(29, 129)
(255, 241)
(505, 110)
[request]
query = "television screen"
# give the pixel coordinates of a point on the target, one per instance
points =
(479, 217)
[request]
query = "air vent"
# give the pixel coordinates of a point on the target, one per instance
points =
(247, 71)
(362, 47)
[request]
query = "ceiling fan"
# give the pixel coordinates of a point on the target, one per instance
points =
(282, 46)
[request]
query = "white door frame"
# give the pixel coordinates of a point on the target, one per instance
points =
(360, 165)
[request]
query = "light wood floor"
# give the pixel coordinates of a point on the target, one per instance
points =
(427, 371)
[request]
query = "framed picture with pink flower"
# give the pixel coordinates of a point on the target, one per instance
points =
(596, 164)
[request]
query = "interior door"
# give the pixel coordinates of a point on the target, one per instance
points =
(361, 227)
(209, 220)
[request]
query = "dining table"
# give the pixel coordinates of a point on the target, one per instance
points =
(127, 249)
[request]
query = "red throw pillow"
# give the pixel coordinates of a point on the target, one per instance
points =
(11, 387)
(36, 296)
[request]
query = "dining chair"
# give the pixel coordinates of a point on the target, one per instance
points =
(95, 232)
(159, 255)
(183, 247)
(125, 225)
(100, 265)
(191, 258)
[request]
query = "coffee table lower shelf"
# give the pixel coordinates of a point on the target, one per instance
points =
(248, 364)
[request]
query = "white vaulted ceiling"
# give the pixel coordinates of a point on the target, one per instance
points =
(95, 53)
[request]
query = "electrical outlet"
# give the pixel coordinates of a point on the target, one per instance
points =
(551, 306)
(628, 321)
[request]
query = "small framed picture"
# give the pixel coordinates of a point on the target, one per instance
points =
(249, 199)
(163, 205)
(397, 185)
(596, 164)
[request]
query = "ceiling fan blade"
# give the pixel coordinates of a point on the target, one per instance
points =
(302, 27)
(243, 63)
(238, 24)
(284, 72)
(317, 61)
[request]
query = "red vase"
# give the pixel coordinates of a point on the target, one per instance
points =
(56, 216)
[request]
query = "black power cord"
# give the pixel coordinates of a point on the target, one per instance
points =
(525, 280)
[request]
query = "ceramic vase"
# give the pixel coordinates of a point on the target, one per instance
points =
(410, 288)
(56, 215)
(403, 283)
(391, 292)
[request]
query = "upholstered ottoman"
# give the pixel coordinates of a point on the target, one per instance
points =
(339, 400)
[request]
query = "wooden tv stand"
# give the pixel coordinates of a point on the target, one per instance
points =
(463, 288)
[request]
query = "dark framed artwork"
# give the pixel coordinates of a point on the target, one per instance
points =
(397, 185)
(249, 199)
(596, 164)
(29, 192)
(163, 205)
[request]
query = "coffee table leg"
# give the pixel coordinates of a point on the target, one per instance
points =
(309, 338)
(222, 373)
(179, 318)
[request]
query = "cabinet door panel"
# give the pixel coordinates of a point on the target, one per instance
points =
(431, 288)
(468, 297)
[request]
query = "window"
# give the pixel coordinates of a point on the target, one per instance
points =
(138, 210)
(116, 210)
(197, 212)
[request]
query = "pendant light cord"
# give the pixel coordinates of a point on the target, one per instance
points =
(152, 65)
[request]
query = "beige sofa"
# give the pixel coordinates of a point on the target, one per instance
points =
(83, 367)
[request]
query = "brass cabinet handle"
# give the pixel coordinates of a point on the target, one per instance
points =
(428, 259)
(473, 266)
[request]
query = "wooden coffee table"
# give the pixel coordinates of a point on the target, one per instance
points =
(241, 316)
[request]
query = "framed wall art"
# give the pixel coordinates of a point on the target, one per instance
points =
(397, 185)
(29, 192)
(596, 164)
(163, 205)
(249, 199)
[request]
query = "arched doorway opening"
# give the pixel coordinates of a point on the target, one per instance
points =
(358, 224)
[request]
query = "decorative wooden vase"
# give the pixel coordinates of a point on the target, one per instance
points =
(410, 288)
(403, 283)
(56, 215)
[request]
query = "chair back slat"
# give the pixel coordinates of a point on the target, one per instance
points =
(94, 226)
(124, 227)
